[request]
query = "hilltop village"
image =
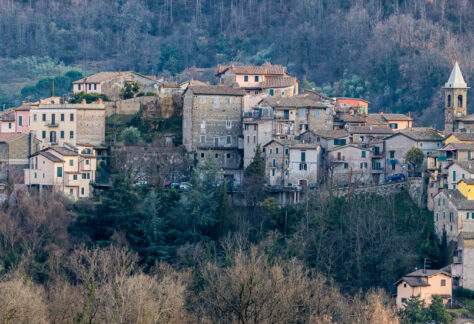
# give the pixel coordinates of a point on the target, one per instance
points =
(305, 140)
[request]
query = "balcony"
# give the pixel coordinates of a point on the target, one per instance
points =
(52, 124)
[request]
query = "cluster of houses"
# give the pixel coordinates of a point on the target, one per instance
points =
(306, 139)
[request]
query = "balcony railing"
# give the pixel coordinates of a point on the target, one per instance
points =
(52, 124)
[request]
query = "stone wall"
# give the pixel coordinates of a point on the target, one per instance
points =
(162, 106)
(147, 163)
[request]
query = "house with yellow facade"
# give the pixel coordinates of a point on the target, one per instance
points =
(67, 169)
(426, 284)
(57, 124)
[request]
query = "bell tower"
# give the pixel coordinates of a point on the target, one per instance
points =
(455, 97)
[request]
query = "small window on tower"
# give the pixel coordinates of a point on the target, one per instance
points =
(460, 101)
(449, 100)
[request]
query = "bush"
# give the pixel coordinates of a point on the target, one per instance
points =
(150, 94)
(89, 97)
(130, 136)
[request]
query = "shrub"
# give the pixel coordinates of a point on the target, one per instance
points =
(130, 136)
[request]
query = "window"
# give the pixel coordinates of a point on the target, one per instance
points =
(460, 101)
(271, 92)
(246, 78)
(202, 99)
(203, 124)
(203, 138)
(436, 216)
(228, 155)
(467, 216)
(303, 166)
(256, 78)
(451, 217)
(328, 111)
(228, 124)
(393, 125)
(74, 177)
(36, 175)
(286, 162)
(9, 125)
(316, 113)
(217, 155)
(443, 282)
(95, 86)
(271, 151)
(20, 120)
(248, 139)
(404, 300)
(202, 155)
(444, 215)
(87, 162)
(454, 176)
(365, 165)
(71, 134)
(44, 117)
(361, 165)
(286, 151)
(59, 172)
(71, 191)
(346, 165)
(301, 112)
(229, 139)
(363, 154)
(274, 163)
(78, 87)
(90, 86)
(71, 117)
(273, 172)
(228, 100)
(449, 100)
(276, 150)
(34, 117)
(82, 191)
(71, 162)
(62, 134)
(43, 134)
(392, 154)
(254, 139)
(216, 102)
(83, 176)
(62, 117)
(303, 156)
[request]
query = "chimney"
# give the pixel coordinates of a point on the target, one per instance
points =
(100, 101)
(83, 101)
(381, 112)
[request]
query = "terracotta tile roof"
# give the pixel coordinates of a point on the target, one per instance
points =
(278, 82)
(396, 117)
(458, 147)
(466, 165)
(304, 146)
(8, 117)
(330, 133)
(49, 156)
(421, 134)
(467, 181)
(458, 199)
(265, 69)
(464, 136)
(419, 278)
(216, 90)
(370, 130)
(170, 84)
(63, 151)
(298, 101)
(105, 76)
(353, 118)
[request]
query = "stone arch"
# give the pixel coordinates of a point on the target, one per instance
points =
(460, 101)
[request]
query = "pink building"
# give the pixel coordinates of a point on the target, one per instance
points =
(22, 120)
(7, 122)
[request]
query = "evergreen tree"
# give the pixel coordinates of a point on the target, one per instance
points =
(438, 312)
(414, 311)
(254, 179)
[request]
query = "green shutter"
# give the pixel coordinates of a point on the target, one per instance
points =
(60, 172)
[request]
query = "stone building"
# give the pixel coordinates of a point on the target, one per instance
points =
(465, 259)
(111, 83)
(212, 125)
(271, 80)
(455, 100)
(453, 213)
(349, 164)
(59, 124)
(14, 152)
(257, 130)
(396, 147)
(457, 171)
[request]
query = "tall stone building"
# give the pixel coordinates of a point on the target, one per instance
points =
(212, 125)
(455, 100)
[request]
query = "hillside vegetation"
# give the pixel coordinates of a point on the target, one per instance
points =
(395, 53)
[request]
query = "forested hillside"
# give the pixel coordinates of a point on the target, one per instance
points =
(396, 54)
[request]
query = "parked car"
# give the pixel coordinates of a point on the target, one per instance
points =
(395, 178)
(184, 186)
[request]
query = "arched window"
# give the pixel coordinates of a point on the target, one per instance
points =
(460, 101)
(449, 100)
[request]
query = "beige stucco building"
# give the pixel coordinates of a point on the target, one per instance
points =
(59, 124)
(111, 83)
(426, 284)
(66, 169)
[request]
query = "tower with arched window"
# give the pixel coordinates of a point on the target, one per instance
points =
(455, 97)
